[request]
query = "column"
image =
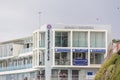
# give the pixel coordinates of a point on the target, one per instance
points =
(69, 74)
(88, 48)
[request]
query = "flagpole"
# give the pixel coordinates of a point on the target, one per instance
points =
(39, 19)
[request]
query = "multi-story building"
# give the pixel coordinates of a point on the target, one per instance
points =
(56, 52)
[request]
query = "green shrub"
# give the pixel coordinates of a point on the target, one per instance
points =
(110, 69)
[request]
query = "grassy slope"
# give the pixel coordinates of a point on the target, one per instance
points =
(110, 70)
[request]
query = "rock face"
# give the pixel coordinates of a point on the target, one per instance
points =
(110, 69)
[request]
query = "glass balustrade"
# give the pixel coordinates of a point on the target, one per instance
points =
(10, 68)
(25, 50)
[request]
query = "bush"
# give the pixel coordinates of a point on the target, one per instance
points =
(110, 70)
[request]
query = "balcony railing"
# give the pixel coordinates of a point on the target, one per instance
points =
(16, 67)
(25, 50)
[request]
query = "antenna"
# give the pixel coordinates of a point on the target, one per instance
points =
(39, 19)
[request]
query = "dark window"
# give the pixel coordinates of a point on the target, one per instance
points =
(61, 39)
(27, 45)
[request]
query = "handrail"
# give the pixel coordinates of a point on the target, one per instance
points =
(16, 67)
(24, 50)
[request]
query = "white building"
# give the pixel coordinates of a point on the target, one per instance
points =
(56, 52)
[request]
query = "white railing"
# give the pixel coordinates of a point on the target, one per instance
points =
(16, 67)
(25, 50)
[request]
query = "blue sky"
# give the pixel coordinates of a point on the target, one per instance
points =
(19, 18)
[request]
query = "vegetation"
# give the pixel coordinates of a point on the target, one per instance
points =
(115, 40)
(110, 69)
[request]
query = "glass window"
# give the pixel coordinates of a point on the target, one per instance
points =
(15, 62)
(80, 55)
(20, 76)
(0, 65)
(75, 74)
(27, 45)
(30, 60)
(62, 58)
(54, 74)
(10, 50)
(41, 57)
(1, 51)
(19, 61)
(59, 74)
(26, 61)
(5, 51)
(41, 39)
(35, 40)
(80, 58)
(96, 58)
(62, 39)
(97, 39)
(80, 39)
(63, 74)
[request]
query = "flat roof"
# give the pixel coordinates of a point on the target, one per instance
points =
(14, 40)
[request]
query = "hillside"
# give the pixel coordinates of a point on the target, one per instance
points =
(110, 69)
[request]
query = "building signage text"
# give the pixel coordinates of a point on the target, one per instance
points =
(80, 62)
(98, 50)
(48, 41)
(62, 50)
(79, 27)
(79, 50)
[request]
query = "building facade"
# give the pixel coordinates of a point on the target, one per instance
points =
(56, 52)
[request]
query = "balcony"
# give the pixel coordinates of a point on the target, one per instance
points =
(16, 67)
(26, 50)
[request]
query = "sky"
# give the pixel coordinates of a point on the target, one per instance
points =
(19, 18)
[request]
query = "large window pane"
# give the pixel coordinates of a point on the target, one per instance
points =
(80, 39)
(80, 58)
(96, 58)
(62, 39)
(80, 55)
(41, 57)
(75, 74)
(42, 39)
(59, 74)
(97, 39)
(62, 58)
